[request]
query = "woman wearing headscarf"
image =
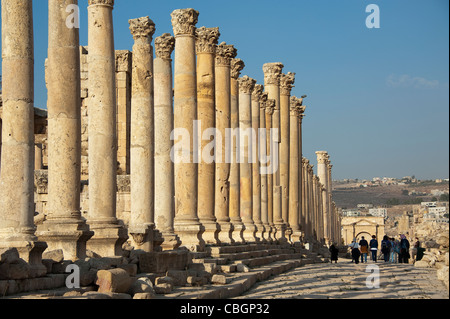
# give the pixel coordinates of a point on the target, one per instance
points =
(355, 251)
(334, 253)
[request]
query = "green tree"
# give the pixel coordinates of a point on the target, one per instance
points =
(443, 198)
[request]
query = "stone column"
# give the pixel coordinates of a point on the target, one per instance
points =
(224, 54)
(304, 195)
(237, 65)
(64, 228)
(316, 208)
(109, 234)
(309, 213)
(322, 172)
(164, 168)
(256, 174)
(286, 84)
(247, 138)
(294, 172)
(263, 156)
(272, 74)
(187, 224)
(38, 156)
(207, 39)
(142, 222)
(270, 108)
(17, 174)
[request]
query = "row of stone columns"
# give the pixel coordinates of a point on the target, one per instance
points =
(177, 198)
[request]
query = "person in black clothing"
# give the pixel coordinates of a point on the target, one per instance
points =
(364, 248)
(404, 250)
(373, 245)
(386, 248)
(334, 253)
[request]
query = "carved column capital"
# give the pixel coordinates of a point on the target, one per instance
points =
(287, 83)
(322, 157)
(109, 3)
(224, 54)
(184, 21)
(207, 40)
(237, 65)
(257, 92)
(142, 28)
(270, 106)
(272, 73)
(164, 46)
(246, 84)
(263, 100)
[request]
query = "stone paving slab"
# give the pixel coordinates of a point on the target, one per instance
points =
(345, 280)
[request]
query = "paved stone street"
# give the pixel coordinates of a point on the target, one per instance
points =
(346, 280)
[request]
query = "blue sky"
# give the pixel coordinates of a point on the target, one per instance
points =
(377, 98)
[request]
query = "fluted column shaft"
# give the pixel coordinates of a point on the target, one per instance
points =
(294, 173)
(270, 108)
(322, 173)
(263, 154)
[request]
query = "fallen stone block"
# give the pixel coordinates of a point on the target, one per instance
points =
(114, 280)
(56, 255)
(163, 289)
(142, 285)
(16, 271)
(422, 264)
(164, 280)
(220, 280)
(9, 255)
(179, 277)
(242, 268)
(144, 295)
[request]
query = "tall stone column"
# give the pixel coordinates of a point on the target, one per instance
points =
(64, 228)
(207, 39)
(286, 84)
(17, 174)
(247, 138)
(322, 172)
(256, 174)
(316, 208)
(164, 167)
(224, 54)
(270, 108)
(187, 224)
(263, 156)
(304, 195)
(237, 65)
(142, 222)
(272, 75)
(309, 213)
(109, 235)
(294, 172)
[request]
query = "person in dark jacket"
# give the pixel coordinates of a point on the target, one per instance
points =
(373, 245)
(364, 248)
(355, 251)
(386, 248)
(334, 253)
(404, 250)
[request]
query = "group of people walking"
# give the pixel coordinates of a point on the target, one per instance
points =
(389, 249)
(392, 250)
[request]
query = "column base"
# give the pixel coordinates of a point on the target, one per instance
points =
(146, 238)
(250, 233)
(171, 241)
(107, 240)
(29, 251)
(211, 234)
(260, 232)
(69, 235)
(191, 235)
(267, 233)
(226, 233)
(238, 232)
(295, 236)
(280, 232)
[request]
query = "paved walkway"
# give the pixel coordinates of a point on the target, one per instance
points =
(346, 280)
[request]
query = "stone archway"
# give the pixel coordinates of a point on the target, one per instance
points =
(354, 227)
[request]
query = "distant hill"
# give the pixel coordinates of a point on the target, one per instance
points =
(348, 195)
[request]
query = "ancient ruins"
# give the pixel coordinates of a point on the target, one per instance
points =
(106, 178)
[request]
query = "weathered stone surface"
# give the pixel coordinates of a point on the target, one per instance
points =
(179, 277)
(17, 270)
(9, 255)
(422, 264)
(144, 295)
(56, 255)
(114, 280)
(164, 288)
(220, 279)
(142, 285)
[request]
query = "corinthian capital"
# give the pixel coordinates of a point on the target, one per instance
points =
(207, 39)
(246, 84)
(270, 106)
(109, 3)
(257, 92)
(322, 157)
(287, 83)
(224, 54)
(142, 28)
(237, 65)
(272, 73)
(263, 100)
(164, 46)
(184, 21)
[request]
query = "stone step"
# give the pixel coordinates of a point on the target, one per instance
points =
(218, 261)
(253, 254)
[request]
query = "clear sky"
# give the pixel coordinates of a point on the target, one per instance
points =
(378, 99)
